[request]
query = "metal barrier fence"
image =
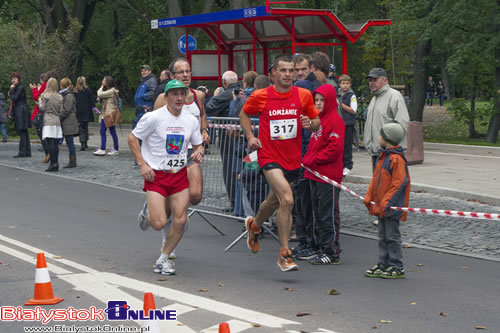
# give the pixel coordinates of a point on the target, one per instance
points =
(233, 186)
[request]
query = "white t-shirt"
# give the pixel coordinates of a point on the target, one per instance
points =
(165, 138)
(194, 110)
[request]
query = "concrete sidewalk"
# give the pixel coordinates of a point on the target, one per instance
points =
(459, 171)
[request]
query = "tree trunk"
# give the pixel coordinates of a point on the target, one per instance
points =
(444, 76)
(472, 117)
(417, 101)
(494, 126)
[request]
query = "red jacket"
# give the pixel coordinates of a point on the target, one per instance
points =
(390, 185)
(36, 92)
(326, 148)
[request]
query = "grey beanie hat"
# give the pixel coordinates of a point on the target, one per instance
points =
(392, 133)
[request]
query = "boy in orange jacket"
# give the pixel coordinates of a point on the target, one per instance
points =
(390, 186)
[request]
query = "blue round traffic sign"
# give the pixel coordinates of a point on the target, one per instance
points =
(181, 43)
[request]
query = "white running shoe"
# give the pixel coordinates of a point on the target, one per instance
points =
(161, 260)
(168, 267)
(142, 217)
(113, 152)
(346, 171)
(100, 152)
(375, 222)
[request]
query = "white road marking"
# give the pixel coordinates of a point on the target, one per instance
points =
(32, 260)
(461, 155)
(235, 326)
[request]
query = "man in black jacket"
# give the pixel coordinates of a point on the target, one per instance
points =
(164, 78)
(219, 107)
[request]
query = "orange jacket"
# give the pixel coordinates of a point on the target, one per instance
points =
(390, 185)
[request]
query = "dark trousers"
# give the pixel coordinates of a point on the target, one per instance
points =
(227, 155)
(24, 143)
(71, 144)
(44, 142)
(390, 246)
(83, 131)
(303, 209)
(347, 158)
(428, 98)
(374, 162)
(326, 217)
(53, 150)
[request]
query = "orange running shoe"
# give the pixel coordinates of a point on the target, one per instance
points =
(252, 239)
(285, 262)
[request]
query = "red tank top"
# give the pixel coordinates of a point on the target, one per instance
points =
(280, 130)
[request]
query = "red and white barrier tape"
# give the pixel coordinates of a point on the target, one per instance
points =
(441, 212)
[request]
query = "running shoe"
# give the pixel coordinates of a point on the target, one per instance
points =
(142, 217)
(168, 267)
(306, 253)
(346, 171)
(252, 239)
(113, 152)
(324, 259)
(100, 152)
(375, 271)
(393, 273)
(161, 261)
(285, 261)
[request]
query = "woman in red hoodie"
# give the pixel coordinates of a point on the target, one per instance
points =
(324, 156)
(36, 91)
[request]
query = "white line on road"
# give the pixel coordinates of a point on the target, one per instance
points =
(53, 268)
(461, 155)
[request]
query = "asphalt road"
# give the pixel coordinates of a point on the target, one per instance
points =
(102, 255)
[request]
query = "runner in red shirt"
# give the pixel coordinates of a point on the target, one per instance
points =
(283, 111)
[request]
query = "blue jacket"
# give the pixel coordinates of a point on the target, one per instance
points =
(145, 92)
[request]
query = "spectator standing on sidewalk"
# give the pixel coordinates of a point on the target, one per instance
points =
(164, 78)
(21, 114)
(144, 96)
(107, 95)
(51, 106)
(3, 117)
(36, 91)
(430, 91)
(440, 93)
(85, 102)
(349, 108)
(68, 119)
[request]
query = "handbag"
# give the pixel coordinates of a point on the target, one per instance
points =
(38, 120)
(112, 118)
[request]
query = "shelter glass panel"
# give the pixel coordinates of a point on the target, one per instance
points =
(207, 64)
(271, 29)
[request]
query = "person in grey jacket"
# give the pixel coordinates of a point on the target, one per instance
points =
(3, 117)
(51, 107)
(68, 119)
(387, 106)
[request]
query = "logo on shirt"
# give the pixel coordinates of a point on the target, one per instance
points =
(174, 144)
(283, 112)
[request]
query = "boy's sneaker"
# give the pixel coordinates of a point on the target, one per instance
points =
(375, 271)
(324, 259)
(142, 217)
(113, 152)
(252, 239)
(346, 171)
(285, 261)
(306, 253)
(100, 152)
(393, 273)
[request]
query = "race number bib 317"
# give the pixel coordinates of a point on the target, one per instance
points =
(174, 163)
(283, 129)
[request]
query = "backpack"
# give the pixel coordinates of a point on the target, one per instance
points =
(119, 103)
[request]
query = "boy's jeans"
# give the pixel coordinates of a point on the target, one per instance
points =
(4, 132)
(390, 247)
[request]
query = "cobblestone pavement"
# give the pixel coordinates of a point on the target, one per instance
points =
(464, 236)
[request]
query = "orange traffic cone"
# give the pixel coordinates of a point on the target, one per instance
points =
(151, 326)
(43, 286)
(224, 328)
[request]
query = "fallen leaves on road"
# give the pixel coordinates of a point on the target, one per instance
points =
(465, 267)
(106, 210)
(256, 325)
(442, 314)
(479, 327)
(302, 314)
(374, 327)
(57, 257)
(419, 265)
(383, 321)
(407, 246)
(334, 292)
(203, 290)
(111, 267)
(220, 284)
(161, 279)
(413, 303)
(288, 289)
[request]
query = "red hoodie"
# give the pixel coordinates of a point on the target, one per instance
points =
(326, 147)
(37, 92)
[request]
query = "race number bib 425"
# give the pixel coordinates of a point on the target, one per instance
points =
(174, 163)
(283, 129)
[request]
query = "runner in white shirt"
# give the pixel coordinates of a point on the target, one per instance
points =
(162, 159)
(194, 105)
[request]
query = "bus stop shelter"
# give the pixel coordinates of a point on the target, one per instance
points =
(257, 34)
